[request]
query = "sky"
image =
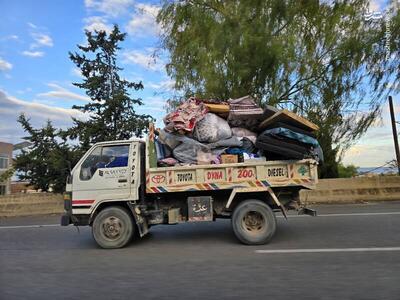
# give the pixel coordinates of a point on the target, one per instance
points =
(36, 74)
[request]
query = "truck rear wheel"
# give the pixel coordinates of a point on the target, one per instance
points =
(113, 228)
(253, 222)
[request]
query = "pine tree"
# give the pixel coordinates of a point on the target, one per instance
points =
(111, 112)
(45, 163)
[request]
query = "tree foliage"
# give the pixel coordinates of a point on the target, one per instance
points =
(322, 60)
(110, 115)
(347, 171)
(111, 109)
(45, 162)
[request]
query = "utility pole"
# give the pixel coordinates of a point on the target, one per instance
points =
(395, 138)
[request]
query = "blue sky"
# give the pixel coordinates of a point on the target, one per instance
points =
(36, 74)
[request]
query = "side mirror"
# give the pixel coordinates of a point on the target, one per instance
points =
(69, 166)
(69, 177)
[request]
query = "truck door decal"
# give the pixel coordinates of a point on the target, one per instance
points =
(133, 164)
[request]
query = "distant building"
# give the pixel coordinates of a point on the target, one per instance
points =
(6, 150)
(22, 187)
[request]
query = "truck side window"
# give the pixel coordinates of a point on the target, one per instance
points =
(104, 157)
(88, 167)
(115, 156)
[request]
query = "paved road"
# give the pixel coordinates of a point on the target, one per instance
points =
(204, 261)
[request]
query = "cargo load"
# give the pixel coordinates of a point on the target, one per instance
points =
(217, 132)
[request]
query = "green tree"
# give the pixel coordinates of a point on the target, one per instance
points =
(324, 61)
(110, 115)
(111, 112)
(45, 163)
(347, 171)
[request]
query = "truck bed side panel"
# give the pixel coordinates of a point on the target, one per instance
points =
(228, 176)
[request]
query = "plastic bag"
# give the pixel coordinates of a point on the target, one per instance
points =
(212, 129)
(187, 151)
(170, 139)
(230, 142)
(243, 132)
(248, 146)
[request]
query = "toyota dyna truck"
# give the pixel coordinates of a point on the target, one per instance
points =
(115, 190)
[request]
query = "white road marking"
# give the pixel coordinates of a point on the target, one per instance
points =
(29, 226)
(289, 216)
(346, 215)
(371, 249)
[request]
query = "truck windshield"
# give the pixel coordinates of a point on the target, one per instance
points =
(103, 158)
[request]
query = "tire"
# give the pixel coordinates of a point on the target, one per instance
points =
(113, 228)
(253, 222)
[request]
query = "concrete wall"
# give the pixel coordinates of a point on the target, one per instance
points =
(351, 190)
(31, 204)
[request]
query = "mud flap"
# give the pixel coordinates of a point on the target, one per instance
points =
(277, 202)
(307, 211)
(141, 222)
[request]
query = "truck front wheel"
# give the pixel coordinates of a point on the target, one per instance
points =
(112, 228)
(253, 222)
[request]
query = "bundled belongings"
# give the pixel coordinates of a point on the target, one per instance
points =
(211, 129)
(244, 112)
(281, 143)
(215, 132)
(185, 117)
(243, 132)
(289, 118)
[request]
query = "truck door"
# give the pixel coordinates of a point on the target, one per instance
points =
(104, 174)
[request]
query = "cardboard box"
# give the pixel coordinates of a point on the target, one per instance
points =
(229, 158)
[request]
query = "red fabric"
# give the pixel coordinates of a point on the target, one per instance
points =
(185, 117)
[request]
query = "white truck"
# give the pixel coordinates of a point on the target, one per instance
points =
(114, 190)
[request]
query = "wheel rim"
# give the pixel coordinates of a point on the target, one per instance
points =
(253, 222)
(111, 228)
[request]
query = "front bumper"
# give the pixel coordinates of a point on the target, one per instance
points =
(66, 217)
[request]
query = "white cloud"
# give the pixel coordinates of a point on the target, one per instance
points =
(111, 8)
(376, 5)
(31, 25)
(5, 65)
(76, 72)
(28, 89)
(33, 53)
(164, 85)
(61, 93)
(146, 60)
(154, 102)
(375, 148)
(11, 107)
(12, 37)
(41, 40)
(143, 21)
(97, 23)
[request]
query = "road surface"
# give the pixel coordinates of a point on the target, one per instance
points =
(347, 252)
